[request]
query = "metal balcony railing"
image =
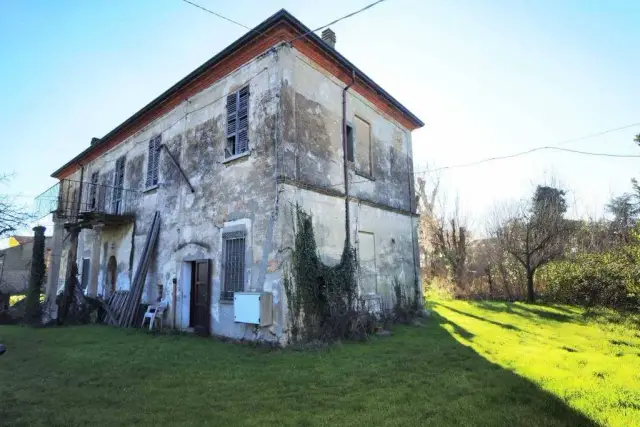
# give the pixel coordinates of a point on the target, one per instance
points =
(72, 200)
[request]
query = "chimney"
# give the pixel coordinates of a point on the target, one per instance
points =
(329, 37)
(94, 141)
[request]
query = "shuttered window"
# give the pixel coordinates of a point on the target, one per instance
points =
(93, 191)
(118, 182)
(234, 253)
(154, 161)
(237, 122)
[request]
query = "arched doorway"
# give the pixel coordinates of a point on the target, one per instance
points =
(112, 274)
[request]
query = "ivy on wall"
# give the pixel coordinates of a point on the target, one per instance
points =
(321, 298)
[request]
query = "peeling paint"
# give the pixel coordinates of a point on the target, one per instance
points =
(295, 109)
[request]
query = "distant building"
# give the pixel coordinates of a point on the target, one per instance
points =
(15, 264)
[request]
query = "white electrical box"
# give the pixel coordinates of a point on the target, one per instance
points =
(255, 308)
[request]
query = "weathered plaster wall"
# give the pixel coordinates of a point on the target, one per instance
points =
(295, 114)
(312, 134)
(391, 231)
(226, 194)
(312, 158)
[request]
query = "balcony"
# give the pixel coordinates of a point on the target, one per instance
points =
(86, 204)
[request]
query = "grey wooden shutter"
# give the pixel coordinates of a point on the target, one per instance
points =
(153, 163)
(242, 139)
(93, 199)
(232, 113)
(118, 181)
(238, 122)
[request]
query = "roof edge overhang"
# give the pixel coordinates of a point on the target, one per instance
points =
(279, 17)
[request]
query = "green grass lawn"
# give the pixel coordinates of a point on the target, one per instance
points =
(472, 364)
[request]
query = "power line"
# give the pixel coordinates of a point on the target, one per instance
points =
(546, 147)
(222, 16)
(335, 21)
(593, 135)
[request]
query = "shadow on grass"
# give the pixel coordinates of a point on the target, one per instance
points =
(519, 402)
(459, 330)
(493, 322)
(543, 314)
(418, 376)
(530, 311)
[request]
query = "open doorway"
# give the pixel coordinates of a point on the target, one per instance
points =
(200, 301)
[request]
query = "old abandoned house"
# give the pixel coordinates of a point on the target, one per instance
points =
(223, 156)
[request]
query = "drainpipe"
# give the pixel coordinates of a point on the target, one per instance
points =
(347, 227)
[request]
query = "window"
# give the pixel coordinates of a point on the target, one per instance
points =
(93, 192)
(237, 123)
(349, 143)
(362, 146)
(154, 161)
(234, 253)
(118, 181)
(368, 276)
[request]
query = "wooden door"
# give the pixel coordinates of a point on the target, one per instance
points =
(201, 291)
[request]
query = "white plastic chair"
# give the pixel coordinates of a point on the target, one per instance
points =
(154, 312)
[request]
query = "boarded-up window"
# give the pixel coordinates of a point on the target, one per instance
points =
(118, 182)
(362, 146)
(153, 162)
(234, 252)
(237, 122)
(368, 276)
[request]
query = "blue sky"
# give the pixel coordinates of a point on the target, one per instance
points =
(488, 78)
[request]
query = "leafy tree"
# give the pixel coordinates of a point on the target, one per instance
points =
(534, 232)
(625, 211)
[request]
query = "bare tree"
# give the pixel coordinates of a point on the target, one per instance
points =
(12, 216)
(450, 241)
(427, 191)
(534, 232)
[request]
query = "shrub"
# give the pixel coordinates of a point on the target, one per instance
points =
(610, 279)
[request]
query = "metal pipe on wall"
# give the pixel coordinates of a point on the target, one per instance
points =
(347, 227)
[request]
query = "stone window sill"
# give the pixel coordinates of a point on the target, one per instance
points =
(232, 159)
(226, 301)
(151, 189)
(364, 175)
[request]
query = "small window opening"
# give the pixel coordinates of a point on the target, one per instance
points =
(350, 143)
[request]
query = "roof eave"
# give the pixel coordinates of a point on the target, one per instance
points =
(281, 15)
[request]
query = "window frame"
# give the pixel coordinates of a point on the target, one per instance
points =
(350, 136)
(226, 290)
(118, 185)
(364, 173)
(93, 191)
(235, 111)
(153, 162)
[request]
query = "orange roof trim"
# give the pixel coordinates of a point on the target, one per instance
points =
(278, 28)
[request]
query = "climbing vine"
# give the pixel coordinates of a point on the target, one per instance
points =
(321, 298)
